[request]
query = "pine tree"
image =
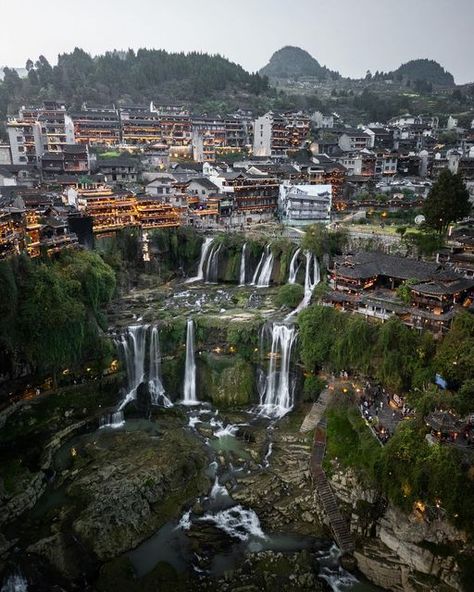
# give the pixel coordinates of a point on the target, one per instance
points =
(448, 201)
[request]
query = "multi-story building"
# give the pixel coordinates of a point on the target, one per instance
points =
(367, 282)
(277, 134)
(140, 127)
(72, 160)
(97, 127)
(26, 142)
(354, 140)
(118, 170)
(36, 130)
(8, 235)
(254, 197)
(301, 205)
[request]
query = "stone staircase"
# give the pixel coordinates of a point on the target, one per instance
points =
(316, 412)
(339, 526)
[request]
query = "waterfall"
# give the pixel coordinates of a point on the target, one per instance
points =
(237, 522)
(242, 266)
(190, 367)
(312, 277)
(206, 245)
(212, 267)
(112, 420)
(277, 398)
(293, 267)
(140, 350)
(311, 280)
(257, 270)
(155, 385)
(263, 273)
(15, 583)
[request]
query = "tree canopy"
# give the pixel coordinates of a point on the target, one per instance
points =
(50, 311)
(128, 76)
(448, 201)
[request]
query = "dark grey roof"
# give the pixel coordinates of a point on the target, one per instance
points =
(438, 288)
(205, 182)
(370, 264)
(74, 148)
(52, 156)
(119, 161)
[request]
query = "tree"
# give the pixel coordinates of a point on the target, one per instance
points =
(320, 241)
(455, 356)
(290, 295)
(447, 202)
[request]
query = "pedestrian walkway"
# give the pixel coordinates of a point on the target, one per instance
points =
(339, 526)
(317, 411)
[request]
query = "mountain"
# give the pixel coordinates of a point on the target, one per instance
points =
(130, 76)
(292, 62)
(426, 70)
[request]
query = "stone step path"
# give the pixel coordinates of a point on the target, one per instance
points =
(339, 526)
(316, 412)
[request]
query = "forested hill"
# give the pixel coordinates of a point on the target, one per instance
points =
(292, 62)
(128, 76)
(426, 70)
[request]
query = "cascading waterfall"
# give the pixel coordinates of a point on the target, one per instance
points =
(263, 273)
(112, 420)
(190, 368)
(212, 266)
(311, 280)
(15, 583)
(206, 245)
(277, 397)
(140, 349)
(242, 265)
(257, 270)
(155, 385)
(293, 267)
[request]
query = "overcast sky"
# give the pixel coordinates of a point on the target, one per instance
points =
(346, 35)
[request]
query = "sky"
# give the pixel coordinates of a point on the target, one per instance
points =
(350, 36)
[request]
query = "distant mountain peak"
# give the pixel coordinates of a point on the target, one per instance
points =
(425, 69)
(293, 62)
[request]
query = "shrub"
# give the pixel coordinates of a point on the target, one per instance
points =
(290, 295)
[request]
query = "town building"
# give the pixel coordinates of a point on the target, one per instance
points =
(367, 283)
(97, 127)
(301, 205)
(351, 140)
(277, 134)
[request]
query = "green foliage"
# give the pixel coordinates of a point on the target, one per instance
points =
(96, 278)
(320, 241)
(390, 352)
(292, 62)
(282, 251)
(290, 295)
(131, 76)
(350, 442)
(425, 243)
(354, 347)
(51, 309)
(244, 338)
(8, 302)
(404, 291)
(312, 388)
(318, 331)
(424, 70)
(455, 356)
(412, 470)
(448, 201)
